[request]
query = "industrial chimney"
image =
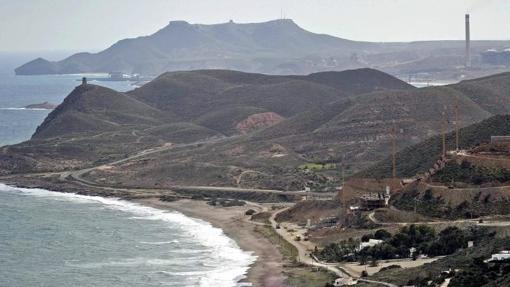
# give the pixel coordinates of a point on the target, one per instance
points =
(468, 43)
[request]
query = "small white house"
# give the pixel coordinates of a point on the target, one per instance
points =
(345, 281)
(354, 208)
(503, 255)
(370, 243)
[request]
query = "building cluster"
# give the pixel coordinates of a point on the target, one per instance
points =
(374, 200)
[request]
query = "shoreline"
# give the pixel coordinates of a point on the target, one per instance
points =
(267, 270)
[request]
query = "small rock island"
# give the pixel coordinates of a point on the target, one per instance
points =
(45, 106)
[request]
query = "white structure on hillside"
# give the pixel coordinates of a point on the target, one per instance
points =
(412, 250)
(345, 281)
(503, 255)
(387, 196)
(370, 243)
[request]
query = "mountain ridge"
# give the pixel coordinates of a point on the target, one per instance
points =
(273, 47)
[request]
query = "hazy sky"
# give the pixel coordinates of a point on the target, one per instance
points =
(96, 24)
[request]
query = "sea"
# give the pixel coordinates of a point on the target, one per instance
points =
(58, 239)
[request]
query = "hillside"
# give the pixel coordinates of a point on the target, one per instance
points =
(92, 108)
(228, 128)
(349, 81)
(420, 157)
(273, 47)
(491, 93)
(96, 124)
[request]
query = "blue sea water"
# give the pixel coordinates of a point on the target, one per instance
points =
(55, 239)
(66, 240)
(18, 124)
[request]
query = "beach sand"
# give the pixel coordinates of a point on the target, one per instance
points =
(267, 271)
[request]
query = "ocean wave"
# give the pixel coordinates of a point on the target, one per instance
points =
(159, 242)
(228, 263)
(129, 262)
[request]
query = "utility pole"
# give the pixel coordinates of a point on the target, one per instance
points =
(394, 151)
(457, 123)
(445, 127)
(343, 195)
(343, 171)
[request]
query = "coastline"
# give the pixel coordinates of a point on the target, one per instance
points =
(267, 270)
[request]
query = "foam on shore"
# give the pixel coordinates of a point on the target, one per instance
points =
(229, 264)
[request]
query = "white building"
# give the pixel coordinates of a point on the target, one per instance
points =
(370, 243)
(345, 281)
(503, 255)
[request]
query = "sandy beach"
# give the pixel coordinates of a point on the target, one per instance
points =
(267, 270)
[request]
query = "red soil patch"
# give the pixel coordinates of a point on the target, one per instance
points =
(258, 121)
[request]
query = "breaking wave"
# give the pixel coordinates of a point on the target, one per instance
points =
(226, 263)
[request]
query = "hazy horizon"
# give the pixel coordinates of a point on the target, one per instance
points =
(61, 25)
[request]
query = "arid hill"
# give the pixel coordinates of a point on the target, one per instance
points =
(420, 157)
(186, 125)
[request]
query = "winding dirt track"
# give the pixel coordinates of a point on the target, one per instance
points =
(304, 257)
(77, 176)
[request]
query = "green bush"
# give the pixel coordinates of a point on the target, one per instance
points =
(421, 237)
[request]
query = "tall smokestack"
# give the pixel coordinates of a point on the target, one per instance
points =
(468, 43)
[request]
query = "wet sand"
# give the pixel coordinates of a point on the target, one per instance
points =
(267, 271)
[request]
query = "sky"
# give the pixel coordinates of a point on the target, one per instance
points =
(92, 25)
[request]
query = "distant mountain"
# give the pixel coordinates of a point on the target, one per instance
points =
(274, 47)
(184, 46)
